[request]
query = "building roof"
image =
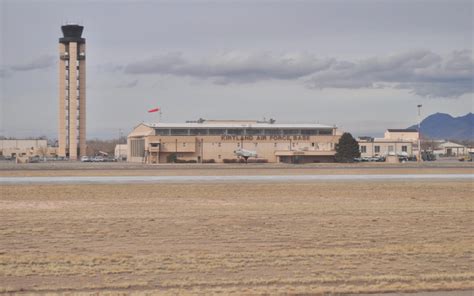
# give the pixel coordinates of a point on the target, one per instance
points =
(23, 143)
(449, 144)
(383, 140)
(218, 121)
(239, 125)
(403, 130)
(366, 138)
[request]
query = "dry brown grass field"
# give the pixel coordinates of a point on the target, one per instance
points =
(248, 238)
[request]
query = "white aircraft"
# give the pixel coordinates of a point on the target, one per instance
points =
(245, 154)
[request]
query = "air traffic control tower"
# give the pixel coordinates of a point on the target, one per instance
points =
(72, 93)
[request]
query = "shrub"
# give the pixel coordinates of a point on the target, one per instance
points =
(185, 161)
(230, 160)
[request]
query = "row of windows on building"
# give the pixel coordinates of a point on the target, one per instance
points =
(241, 132)
(219, 156)
(391, 148)
(219, 144)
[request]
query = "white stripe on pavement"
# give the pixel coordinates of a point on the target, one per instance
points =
(234, 178)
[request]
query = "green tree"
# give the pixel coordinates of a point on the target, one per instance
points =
(347, 148)
(172, 158)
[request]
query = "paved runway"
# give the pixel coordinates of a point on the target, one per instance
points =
(226, 179)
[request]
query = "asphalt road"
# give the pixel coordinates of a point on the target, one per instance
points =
(225, 179)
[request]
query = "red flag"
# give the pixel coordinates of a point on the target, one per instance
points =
(153, 110)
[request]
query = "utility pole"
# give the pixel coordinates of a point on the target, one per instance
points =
(419, 132)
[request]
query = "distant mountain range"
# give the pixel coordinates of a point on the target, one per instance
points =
(444, 126)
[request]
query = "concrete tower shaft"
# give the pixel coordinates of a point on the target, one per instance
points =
(72, 92)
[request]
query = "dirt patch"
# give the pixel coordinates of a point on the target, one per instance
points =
(336, 237)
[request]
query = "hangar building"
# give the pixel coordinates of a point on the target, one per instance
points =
(205, 141)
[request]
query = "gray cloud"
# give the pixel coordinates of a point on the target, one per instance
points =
(40, 62)
(129, 84)
(233, 66)
(422, 72)
(109, 67)
(4, 73)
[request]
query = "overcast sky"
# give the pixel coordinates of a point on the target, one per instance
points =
(361, 65)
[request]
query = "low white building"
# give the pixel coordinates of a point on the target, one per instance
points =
(121, 151)
(447, 148)
(26, 148)
(402, 135)
(371, 147)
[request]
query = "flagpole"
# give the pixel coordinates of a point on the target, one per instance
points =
(156, 110)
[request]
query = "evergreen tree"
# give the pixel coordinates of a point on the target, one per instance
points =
(172, 158)
(347, 148)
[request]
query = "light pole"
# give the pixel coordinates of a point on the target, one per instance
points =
(419, 132)
(119, 152)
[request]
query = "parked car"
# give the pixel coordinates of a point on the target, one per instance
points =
(98, 159)
(370, 159)
(34, 159)
(465, 158)
(403, 159)
(85, 159)
(428, 156)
